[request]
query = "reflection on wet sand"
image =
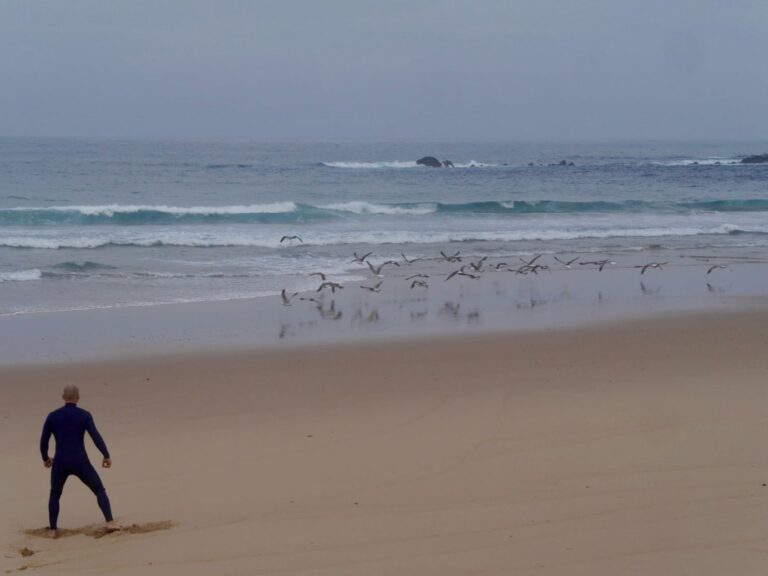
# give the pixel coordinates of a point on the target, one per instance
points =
(404, 292)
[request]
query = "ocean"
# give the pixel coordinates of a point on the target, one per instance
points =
(108, 223)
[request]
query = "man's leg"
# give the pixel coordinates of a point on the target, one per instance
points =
(58, 477)
(88, 475)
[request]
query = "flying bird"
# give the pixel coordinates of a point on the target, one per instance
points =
(420, 283)
(454, 258)
(417, 276)
(716, 266)
(645, 267)
(454, 273)
(289, 238)
(532, 260)
(360, 259)
(332, 285)
(376, 270)
(321, 274)
(567, 263)
(376, 288)
(407, 261)
(478, 266)
(599, 263)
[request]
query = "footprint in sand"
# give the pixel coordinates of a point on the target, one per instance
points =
(99, 531)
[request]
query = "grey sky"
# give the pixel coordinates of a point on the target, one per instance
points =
(385, 70)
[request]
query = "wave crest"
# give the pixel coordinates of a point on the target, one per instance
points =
(21, 275)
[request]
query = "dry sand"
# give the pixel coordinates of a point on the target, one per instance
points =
(637, 448)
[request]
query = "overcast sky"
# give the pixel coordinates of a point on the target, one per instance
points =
(385, 70)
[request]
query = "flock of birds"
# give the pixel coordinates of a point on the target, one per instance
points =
(472, 269)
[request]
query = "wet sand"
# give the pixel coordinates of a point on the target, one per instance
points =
(630, 447)
(495, 302)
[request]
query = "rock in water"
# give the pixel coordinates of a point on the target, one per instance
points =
(447, 163)
(756, 159)
(429, 161)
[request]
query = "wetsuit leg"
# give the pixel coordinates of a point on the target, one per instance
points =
(59, 475)
(90, 478)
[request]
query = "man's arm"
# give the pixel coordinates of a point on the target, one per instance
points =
(97, 439)
(45, 438)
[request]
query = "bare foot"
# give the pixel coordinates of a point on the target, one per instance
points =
(113, 526)
(53, 533)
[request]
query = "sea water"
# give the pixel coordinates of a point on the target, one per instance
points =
(108, 223)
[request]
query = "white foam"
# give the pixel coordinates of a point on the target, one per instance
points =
(396, 231)
(711, 161)
(112, 209)
(359, 207)
(402, 164)
(473, 164)
(362, 165)
(21, 275)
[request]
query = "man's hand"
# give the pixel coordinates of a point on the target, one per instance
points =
(106, 463)
(48, 463)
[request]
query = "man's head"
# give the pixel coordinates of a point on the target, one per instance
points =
(71, 394)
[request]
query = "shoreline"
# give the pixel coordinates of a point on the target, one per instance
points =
(496, 302)
(583, 450)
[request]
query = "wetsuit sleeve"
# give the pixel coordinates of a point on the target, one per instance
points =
(45, 438)
(97, 439)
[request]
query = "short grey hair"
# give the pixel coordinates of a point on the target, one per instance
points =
(71, 393)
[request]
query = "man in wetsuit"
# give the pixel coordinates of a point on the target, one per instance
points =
(68, 425)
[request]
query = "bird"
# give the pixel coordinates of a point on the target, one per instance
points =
(315, 301)
(407, 261)
(532, 268)
(417, 276)
(376, 270)
(645, 267)
(478, 266)
(321, 274)
(468, 275)
(360, 259)
(532, 260)
(498, 266)
(420, 283)
(332, 285)
(376, 288)
(454, 258)
(454, 273)
(716, 266)
(288, 238)
(567, 263)
(599, 263)
(287, 297)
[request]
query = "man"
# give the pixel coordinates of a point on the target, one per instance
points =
(68, 425)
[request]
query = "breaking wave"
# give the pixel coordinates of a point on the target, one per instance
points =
(288, 212)
(21, 275)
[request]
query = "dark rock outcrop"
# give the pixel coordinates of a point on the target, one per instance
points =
(755, 159)
(429, 161)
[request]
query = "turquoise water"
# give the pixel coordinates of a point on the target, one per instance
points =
(88, 224)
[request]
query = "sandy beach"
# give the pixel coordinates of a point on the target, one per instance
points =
(630, 448)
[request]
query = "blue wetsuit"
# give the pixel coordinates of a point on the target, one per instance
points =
(68, 425)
